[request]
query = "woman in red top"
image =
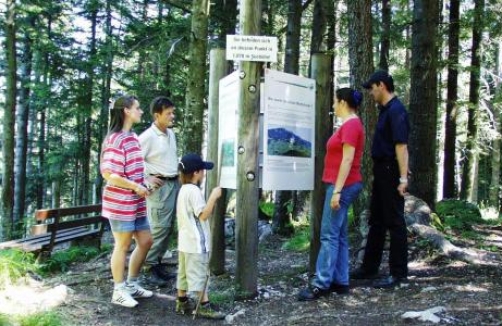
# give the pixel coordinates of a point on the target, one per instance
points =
(124, 203)
(342, 175)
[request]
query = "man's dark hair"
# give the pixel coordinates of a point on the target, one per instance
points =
(159, 104)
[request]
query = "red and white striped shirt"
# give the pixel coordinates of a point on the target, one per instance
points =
(122, 156)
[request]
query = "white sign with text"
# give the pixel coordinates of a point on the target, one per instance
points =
(288, 132)
(228, 121)
(251, 48)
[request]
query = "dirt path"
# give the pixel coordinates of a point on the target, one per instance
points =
(465, 294)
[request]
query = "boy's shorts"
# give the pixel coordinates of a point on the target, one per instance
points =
(139, 224)
(192, 271)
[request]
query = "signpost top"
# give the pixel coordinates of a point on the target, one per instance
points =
(252, 48)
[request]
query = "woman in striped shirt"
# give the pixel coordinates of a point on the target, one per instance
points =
(124, 202)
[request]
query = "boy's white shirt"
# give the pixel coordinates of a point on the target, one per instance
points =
(190, 204)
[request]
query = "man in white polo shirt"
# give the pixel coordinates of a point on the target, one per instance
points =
(158, 144)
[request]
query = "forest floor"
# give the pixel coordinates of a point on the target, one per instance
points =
(459, 293)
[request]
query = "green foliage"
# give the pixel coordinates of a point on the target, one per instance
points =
(425, 247)
(41, 319)
(4, 320)
(470, 234)
(14, 264)
(436, 221)
(458, 214)
(60, 261)
(221, 297)
(267, 208)
(300, 241)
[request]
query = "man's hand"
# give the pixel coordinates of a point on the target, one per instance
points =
(402, 188)
(153, 182)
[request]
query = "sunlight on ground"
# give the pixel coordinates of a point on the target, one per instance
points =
(28, 297)
(470, 288)
(489, 213)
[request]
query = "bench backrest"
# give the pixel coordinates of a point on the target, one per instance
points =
(92, 216)
(43, 214)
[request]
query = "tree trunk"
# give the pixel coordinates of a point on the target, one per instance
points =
(195, 93)
(468, 176)
(105, 94)
(227, 9)
(495, 157)
(449, 189)
(87, 135)
(385, 35)
(41, 160)
(42, 107)
(423, 101)
(22, 128)
(361, 67)
(292, 55)
(7, 181)
(246, 224)
(218, 68)
(322, 73)
(281, 220)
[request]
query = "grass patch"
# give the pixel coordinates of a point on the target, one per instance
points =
(15, 264)
(267, 208)
(458, 214)
(39, 319)
(300, 241)
(222, 297)
(4, 320)
(60, 261)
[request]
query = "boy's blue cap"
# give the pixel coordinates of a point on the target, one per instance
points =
(193, 162)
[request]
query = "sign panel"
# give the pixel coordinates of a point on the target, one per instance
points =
(251, 48)
(227, 133)
(288, 132)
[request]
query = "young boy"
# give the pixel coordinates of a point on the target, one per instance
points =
(194, 237)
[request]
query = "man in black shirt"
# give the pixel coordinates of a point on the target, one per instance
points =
(390, 169)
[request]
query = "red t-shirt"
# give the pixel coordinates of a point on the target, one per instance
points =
(122, 155)
(351, 133)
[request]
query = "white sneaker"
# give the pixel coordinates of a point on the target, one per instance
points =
(122, 297)
(168, 255)
(137, 291)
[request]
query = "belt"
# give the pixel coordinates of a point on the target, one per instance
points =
(384, 159)
(165, 178)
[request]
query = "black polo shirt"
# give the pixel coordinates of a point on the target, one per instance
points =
(392, 128)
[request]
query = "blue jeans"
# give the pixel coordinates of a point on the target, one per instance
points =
(333, 259)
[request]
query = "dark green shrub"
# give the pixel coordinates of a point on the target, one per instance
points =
(458, 214)
(60, 261)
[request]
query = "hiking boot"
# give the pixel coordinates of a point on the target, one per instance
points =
(389, 282)
(185, 308)
(136, 291)
(311, 293)
(123, 298)
(339, 289)
(150, 280)
(362, 274)
(161, 272)
(207, 311)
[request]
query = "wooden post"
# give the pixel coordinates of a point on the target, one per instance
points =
(321, 72)
(217, 70)
(246, 233)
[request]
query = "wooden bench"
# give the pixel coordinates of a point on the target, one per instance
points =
(59, 225)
